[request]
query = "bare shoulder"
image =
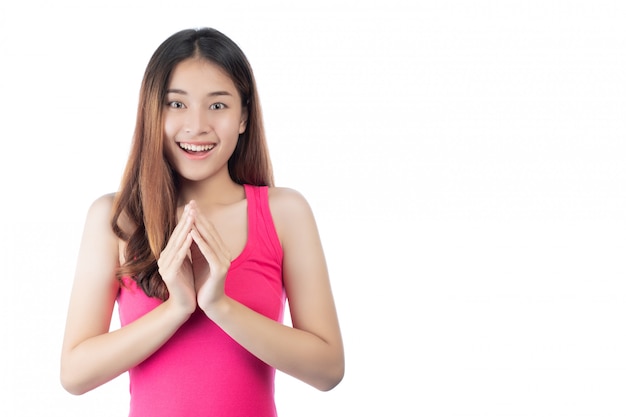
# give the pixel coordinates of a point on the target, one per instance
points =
(103, 204)
(287, 202)
(99, 215)
(101, 211)
(291, 212)
(99, 249)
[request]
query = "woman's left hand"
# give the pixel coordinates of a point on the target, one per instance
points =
(210, 261)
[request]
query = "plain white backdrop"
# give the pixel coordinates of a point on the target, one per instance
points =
(465, 161)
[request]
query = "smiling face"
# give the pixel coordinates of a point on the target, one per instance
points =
(203, 118)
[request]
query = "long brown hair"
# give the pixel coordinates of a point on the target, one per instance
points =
(149, 188)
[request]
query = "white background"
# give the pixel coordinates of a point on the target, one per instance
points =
(465, 161)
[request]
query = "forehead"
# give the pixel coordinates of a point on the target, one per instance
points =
(200, 75)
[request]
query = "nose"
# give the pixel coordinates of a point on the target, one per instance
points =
(196, 121)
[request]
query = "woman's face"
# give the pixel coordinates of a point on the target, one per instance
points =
(203, 118)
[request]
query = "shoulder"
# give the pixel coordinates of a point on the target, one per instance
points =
(100, 213)
(102, 207)
(101, 210)
(291, 212)
(99, 240)
(285, 201)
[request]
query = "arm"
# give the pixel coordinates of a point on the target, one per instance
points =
(311, 350)
(91, 355)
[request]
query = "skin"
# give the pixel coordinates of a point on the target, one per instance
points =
(212, 230)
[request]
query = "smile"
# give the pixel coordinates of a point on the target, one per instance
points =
(189, 147)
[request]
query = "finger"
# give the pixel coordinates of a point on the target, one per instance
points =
(182, 229)
(182, 252)
(211, 236)
(173, 257)
(209, 249)
(184, 224)
(179, 241)
(202, 246)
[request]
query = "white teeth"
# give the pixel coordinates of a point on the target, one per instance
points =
(196, 148)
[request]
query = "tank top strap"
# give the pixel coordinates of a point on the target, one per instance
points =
(260, 222)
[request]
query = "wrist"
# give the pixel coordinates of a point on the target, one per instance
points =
(179, 313)
(216, 308)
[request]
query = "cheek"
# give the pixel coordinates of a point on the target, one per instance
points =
(168, 151)
(230, 127)
(169, 129)
(169, 133)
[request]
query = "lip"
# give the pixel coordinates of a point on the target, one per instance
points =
(197, 155)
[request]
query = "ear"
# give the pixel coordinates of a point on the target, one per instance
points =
(244, 120)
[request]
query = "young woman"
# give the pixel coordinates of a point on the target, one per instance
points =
(200, 251)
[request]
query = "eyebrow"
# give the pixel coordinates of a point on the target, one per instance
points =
(211, 94)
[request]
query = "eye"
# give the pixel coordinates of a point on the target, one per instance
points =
(175, 105)
(217, 106)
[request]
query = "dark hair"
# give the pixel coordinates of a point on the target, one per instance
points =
(148, 192)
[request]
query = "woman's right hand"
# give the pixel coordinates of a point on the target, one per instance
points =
(175, 266)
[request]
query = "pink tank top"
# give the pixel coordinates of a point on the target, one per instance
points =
(201, 371)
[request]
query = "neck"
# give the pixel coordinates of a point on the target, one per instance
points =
(211, 192)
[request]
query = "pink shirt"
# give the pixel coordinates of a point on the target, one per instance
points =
(200, 370)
